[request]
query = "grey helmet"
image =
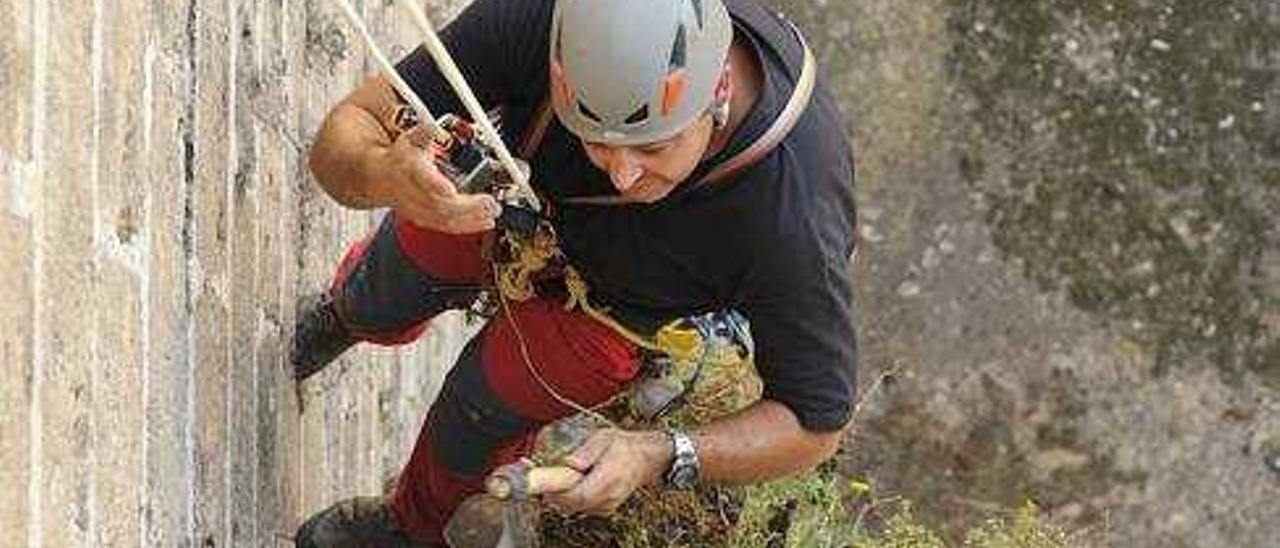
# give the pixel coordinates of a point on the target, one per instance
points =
(626, 72)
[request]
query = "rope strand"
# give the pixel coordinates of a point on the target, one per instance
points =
(533, 369)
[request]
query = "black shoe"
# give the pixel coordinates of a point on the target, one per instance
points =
(318, 336)
(352, 523)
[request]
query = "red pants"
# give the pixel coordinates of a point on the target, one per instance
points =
(490, 408)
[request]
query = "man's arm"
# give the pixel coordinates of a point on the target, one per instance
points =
(365, 155)
(762, 442)
(344, 157)
(368, 154)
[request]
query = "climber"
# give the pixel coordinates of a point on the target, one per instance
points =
(688, 164)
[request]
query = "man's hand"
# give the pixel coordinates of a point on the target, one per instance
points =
(365, 158)
(615, 464)
(416, 189)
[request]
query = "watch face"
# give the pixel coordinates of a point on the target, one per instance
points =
(683, 473)
(684, 476)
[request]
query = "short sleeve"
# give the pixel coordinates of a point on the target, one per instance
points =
(499, 45)
(806, 348)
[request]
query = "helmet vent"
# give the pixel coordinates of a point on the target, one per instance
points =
(582, 108)
(678, 49)
(697, 11)
(641, 114)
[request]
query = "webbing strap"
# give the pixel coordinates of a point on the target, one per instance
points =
(768, 141)
(537, 130)
(781, 126)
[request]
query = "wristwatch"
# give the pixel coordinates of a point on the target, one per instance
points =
(683, 473)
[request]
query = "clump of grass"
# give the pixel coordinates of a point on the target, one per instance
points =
(903, 531)
(820, 509)
(803, 510)
(1024, 530)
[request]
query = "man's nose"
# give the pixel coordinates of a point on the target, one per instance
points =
(624, 170)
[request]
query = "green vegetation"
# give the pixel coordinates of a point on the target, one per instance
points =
(1024, 530)
(815, 510)
(822, 508)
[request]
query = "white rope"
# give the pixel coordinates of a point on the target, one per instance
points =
(444, 61)
(389, 71)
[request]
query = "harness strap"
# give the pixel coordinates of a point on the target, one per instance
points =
(671, 339)
(785, 121)
(537, 130)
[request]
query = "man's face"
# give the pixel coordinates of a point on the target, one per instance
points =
(647, 173)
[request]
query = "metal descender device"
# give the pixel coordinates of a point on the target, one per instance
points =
(476, 160)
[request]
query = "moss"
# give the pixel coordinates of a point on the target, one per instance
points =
(1127, 150)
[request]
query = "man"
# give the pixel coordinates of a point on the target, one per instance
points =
(650, 97)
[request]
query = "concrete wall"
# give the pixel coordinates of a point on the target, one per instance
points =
(156, 225)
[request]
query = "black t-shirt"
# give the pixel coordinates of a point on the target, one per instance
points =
(773, 241)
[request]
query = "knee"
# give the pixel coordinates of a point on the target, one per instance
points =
(470, 423)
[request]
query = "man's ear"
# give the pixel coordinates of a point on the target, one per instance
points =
(724, 86)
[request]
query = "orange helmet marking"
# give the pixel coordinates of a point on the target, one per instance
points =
(673, 88)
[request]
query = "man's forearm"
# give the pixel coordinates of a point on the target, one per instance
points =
(761, 442)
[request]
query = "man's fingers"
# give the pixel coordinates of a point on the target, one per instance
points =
(430, 218)
(463, 226)
(445, 207)
(586, 455)
(593, 491)
(466, 212)
(429, 177)
(561, 501)
(419, 137)
(449, 211)
(599, 493)
(477, 205)
(586, 494)
(581, 497)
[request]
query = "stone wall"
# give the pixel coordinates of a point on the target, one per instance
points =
(157, 223)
